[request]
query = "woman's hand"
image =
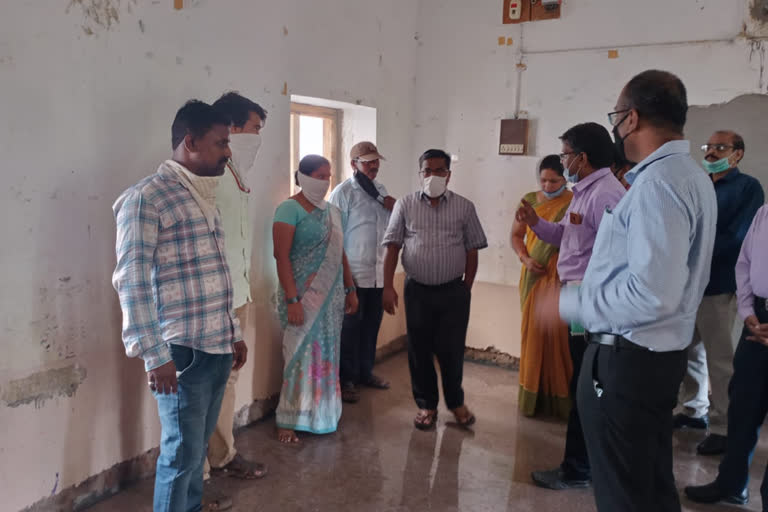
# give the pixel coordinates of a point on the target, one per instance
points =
(296, 313)
(351, 303)
(532, 265)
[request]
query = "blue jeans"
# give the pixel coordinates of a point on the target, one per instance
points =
(188, 419)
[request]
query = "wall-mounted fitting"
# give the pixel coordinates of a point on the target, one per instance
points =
(549, 5)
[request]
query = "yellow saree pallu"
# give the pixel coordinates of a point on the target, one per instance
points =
(545, 359)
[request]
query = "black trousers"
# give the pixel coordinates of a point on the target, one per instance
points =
(747, 408)
(575, 461)
(626, 397)
(359, 333)
(436, 319)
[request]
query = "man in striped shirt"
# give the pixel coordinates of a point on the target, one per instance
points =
(440, 235)
(176, 296)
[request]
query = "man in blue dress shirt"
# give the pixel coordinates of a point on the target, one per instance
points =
(639, 298)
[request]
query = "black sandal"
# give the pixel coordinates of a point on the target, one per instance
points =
(376, 382)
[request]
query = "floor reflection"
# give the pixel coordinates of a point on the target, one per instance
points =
(378, 462)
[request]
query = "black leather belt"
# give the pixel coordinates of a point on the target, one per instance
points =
(612, 340)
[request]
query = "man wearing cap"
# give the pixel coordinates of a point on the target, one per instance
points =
(365, 207)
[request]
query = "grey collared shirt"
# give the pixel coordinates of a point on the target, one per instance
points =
(365, 220)
(435, 240)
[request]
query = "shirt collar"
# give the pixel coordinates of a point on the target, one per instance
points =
(592, 178)
(356, 185)
(730, 176)
(673, 147)
(445, 197)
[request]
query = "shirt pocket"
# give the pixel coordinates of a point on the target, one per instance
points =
(185, 236)
(606, 230)
(578, 238)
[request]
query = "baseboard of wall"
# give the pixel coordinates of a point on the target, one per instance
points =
(492, 356)
(101, 486)
(393, 347)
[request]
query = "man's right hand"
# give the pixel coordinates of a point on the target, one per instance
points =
(389, 300)
(759, 331)
(526, 214)
(163, 379)
(389, 203)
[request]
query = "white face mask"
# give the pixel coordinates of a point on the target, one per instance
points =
(435, 186)
(245, 147)
(313, 189)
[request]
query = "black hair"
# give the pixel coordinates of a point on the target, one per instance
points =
(310, 164)
(738, 142)
(660, 98)
(435, 153)
(552, 162)
(195, 118)
(594, 140)
(239, 108)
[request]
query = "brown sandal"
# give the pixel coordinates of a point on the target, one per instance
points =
(464, 417)
(240, 467)
(425, 419)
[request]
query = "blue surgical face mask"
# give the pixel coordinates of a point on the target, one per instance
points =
(556, 193)
(716, 167)
(570, 178)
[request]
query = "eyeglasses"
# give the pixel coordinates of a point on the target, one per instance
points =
(563, 156)
(716, 147)
(437, 172)
(612, 116)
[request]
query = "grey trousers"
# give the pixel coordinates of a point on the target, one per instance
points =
(710, 362)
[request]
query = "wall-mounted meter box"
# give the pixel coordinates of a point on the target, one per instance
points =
(514, 137)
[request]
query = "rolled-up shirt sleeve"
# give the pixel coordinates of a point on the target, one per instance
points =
(395, 233)
(550, 232)
(744, 291)
(137, 227)
(474, 236)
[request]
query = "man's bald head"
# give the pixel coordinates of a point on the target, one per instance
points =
(660, 99)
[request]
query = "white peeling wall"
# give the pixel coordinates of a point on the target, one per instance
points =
(467, 83)
(88, 99)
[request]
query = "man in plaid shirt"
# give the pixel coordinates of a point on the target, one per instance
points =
(176, 296)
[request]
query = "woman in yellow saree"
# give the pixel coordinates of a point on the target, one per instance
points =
(545, 360)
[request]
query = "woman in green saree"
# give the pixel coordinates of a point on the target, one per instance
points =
(316, 289)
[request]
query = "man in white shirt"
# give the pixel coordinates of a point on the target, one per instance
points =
(365, 207)
(232, 194)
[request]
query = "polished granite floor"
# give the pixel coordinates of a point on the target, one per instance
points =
(378, 462)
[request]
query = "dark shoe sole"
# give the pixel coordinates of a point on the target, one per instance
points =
(561, 485)
(709, 453)
(692, 423)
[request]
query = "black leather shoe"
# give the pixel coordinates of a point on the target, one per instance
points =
(685, 421)
(711, 493)
(713, 444)
(349, 393)
(556, 480)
